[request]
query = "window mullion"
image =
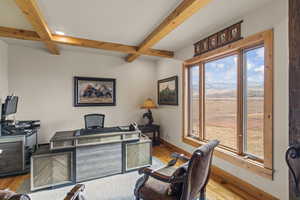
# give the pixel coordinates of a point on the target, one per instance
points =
(201, 111)
(240, 105)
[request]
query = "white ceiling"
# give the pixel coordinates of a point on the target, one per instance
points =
(11, 16)
(128, 21)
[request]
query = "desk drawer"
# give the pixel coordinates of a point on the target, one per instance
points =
(98, 140)
(98, 161)
(62, 144)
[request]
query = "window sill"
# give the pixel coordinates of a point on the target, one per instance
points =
(240, 161)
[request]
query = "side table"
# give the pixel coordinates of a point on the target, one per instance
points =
(154, 129)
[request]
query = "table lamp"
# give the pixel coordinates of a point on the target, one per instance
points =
(148, 104)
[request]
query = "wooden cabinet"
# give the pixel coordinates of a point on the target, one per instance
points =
(50, 169)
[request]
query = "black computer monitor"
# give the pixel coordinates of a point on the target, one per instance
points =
(10, 105)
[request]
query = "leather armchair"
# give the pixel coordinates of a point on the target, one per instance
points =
(186, 182)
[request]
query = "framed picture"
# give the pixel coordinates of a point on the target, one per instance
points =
(90, 91)
(213, 41)
(198, 49)
(223, 37)
(234, 32)
(168, 91)
(205, 45)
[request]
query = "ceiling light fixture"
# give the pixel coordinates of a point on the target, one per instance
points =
(59, 33)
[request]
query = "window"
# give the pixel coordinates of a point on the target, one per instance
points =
(194, 101)
(220, 102)
(254, 101)
(229, 97)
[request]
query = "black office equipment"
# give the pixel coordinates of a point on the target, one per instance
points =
(18, 140)
(9, 107)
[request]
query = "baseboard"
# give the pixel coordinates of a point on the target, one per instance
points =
(229, 181)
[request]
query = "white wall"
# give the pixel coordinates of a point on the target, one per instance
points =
(274, 15)
(44, 83)
(3, 71)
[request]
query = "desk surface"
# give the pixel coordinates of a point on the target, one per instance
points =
(74, 134)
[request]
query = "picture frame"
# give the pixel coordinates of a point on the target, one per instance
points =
(205, 46)
(91, 91)
(213, 41)
(223, 37)
(198, 47)
(167, 91)
(234, 32)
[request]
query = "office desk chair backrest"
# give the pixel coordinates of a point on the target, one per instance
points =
(94, 121)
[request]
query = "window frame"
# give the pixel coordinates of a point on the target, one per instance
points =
(261, 167)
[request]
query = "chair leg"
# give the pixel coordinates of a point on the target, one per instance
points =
(202, 194)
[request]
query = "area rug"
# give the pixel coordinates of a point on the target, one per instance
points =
(117, 187)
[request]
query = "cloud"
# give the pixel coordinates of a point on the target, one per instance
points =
(220, 65)
(260, 53)
(260, 69)
(250, 65)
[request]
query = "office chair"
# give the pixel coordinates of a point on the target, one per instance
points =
(94, 121)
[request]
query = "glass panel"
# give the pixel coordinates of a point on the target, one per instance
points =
(254, 101)
(138, 155)
(221, 101)
(194, 101)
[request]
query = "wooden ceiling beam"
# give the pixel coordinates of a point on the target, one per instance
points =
(19, 34)
(185, 10)
(80, 42)
(109, 46)
(35, 17)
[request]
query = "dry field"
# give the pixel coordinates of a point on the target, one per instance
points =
(221, 122)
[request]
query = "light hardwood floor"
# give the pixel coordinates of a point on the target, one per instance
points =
(216, 190)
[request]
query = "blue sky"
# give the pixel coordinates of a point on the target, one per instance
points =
(222, 73)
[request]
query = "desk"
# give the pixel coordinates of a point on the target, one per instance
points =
(76, 156)
(154, 129)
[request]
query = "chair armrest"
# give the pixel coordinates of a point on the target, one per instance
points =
(180, 156)
(177, 156)
(160, 176)
(75, 192)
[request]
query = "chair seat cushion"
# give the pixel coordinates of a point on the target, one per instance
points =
(156, 190)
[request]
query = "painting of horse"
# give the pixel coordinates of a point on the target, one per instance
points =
(90, 91)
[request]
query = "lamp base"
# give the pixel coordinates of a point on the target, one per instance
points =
(149, 116)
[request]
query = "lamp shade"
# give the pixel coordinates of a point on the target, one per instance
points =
(148, 104)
